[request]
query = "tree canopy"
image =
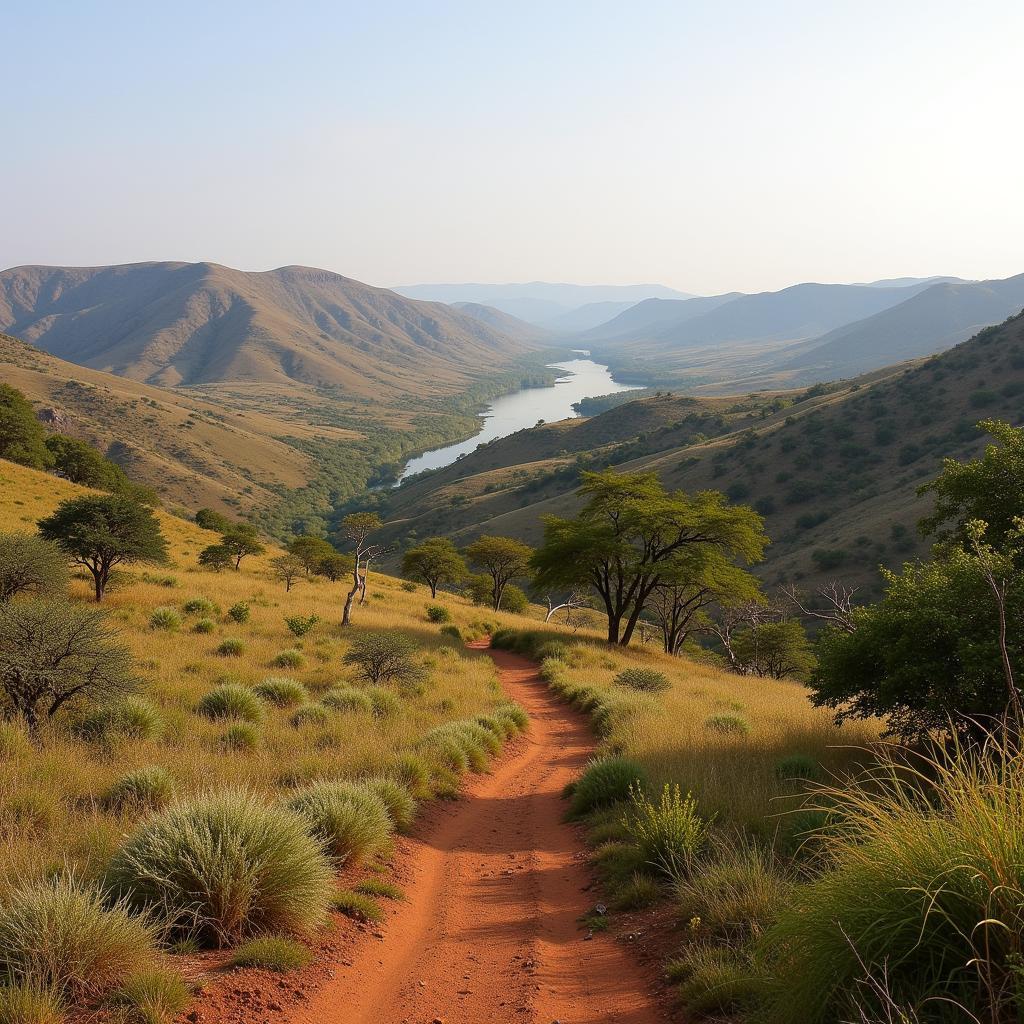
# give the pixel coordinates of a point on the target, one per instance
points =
(311, 551)
(435, 562)
(30, 565)
(624, 540)
(503, 559)
(241, 540)
(102, 531)
(22, 438)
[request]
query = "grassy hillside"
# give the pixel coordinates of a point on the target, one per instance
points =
(834, 470)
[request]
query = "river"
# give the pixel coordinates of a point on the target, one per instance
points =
(581, 378)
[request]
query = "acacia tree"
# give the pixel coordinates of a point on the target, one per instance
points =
(216, 557)
(503, 559)
(311, 551)
(30, 565)
(623, 541)
(334, 566)
(357, 530)
(102, 531)
(436, 562)
(53, 653)
(287, 568)
(241, 539)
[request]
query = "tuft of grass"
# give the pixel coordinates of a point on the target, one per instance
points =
(647, 680)
(605, 781)
(231, 647)
(229, 700)
(383, 703)
(240, 736)
(70, 939)
(200, 606)
(413, 773)
(669, 833)
(347, 818)
(358, 905)
(273, 953)
(154, 996)
(225, 866)
(715, 980)
(23, 1002)
(378, 887)
(400, 804)
(281, 691)
(239, 612)
(347, 698)
(289, 658)
(127, 718)
(165, 618)
(204, 626)
(731, 725)
(145, 788)
(797, 766)
(640, 891)
(309, 714)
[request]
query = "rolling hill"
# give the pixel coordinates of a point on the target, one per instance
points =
(188, 324)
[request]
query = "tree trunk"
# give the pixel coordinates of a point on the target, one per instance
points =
(346, 615)
(433, 589)
(613, 628)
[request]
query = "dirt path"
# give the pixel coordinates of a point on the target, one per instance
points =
(489, 931)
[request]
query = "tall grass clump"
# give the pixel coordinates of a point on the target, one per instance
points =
(200, 606)
(669, 833)
(154, 996)
(69, 938)
(605, 781)
(272, 953)
(647, 680)
(347, 698)
(27, 1003)
(225, 866)
(128, 718)
(229, 700)
(165, 618)
(281, 691)
(291, 657)
(925, 889)
(348, 819)
(145, 788)
(396, 798)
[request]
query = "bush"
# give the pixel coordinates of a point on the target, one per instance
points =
(383, 702)
(670, 833)
(473, 741)
(289, 658)
(129, 718)
(348, 819)
(200, 606)
(204, 626)
(512, 712)
(153, 997)
(166, 618)
(281, 691)
(714, 980)
(300, 625)
(142, 789)
(62, 936)
(309, 714)
(438, 613)
(25, 1003)
(727, 724)
(385, 658)
(224, 866)
(231, 647)
(273, 953)
(408, 586)
(229, 700)
(347, 698)
(453, 631)
(358, 905)
(514, 600)
(31, 565)
(396, 798)
(605, 781)
(241, 736)
(413, 774)
(646, 680)
(239, 612)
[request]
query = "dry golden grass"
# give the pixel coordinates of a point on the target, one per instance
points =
(51, 808)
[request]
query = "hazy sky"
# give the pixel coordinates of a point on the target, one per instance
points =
(704, 145)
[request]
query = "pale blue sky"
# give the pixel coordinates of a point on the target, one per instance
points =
(707, 146)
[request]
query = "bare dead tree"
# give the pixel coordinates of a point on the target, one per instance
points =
(731, 620)
(835, 607)
(357, 529)
(576, 599)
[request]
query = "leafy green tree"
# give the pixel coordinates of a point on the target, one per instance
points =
(30, 565)
(478, 588)
(435, 562)
(103, 531)
(334, 566)
(241, 539)
(210, 519)
(216, 557)
(778, 650)
(628, 532)
(311, 552)
(22, 438)
(385, 657)
(54, 654)
(287, 568)
(514, 600)
(503, 559)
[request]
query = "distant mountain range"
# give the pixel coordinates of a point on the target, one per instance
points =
(198, 323)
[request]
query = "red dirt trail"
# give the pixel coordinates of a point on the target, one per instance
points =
(489, 932)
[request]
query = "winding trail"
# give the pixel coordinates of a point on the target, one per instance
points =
(489, 931)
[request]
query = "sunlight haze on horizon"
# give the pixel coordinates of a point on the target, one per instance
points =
(708, 147)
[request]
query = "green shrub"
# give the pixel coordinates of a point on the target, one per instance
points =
(453, 631)
(240, 736)
(224, 866)
(231, 647)
(229, 700)
(200, 606)
(239, 612)
(347, 698)
(411, 772)
(63, 936)
(514, 600)
(727, 725)
(797, 766)
(142, 789)
(645, 679)
(640, 891)
(438, 613)
(512, 712)
(273, 953)
(396, 798)
(383, 702)
(300, 625)
(289, 658)
(714, 980)
(153, 997)
(347, 818)
(204, 626)
(23, 1002)
(669, 833)
(166, 618)
(473, 740)
(358, 905)
(129, 717)
(309, 714)
(605, 781)
(281, 691)
(408, 586)
(385, 658)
